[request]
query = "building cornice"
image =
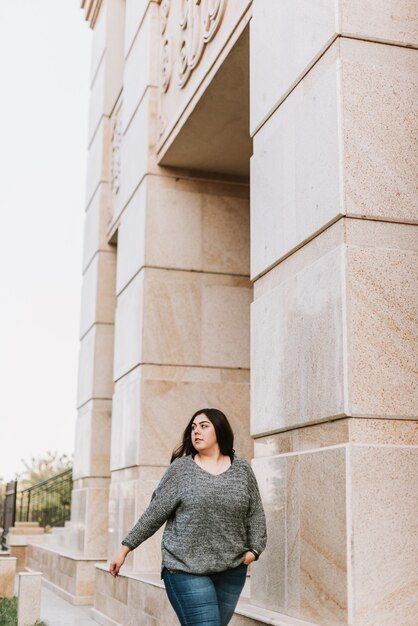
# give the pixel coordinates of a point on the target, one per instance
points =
(91, 8)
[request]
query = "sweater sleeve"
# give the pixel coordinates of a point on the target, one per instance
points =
(256, 519)
(164, 501)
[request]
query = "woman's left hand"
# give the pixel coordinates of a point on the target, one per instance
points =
(249, 558)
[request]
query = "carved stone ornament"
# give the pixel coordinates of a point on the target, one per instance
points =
(200, 20)
(162, 124)
(164, 11)
(166, 66)
(115, 166)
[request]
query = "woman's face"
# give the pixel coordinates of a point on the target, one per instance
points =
(203, 434)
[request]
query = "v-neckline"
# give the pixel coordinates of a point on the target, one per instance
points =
(210, 473)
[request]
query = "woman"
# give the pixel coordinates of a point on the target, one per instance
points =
(215, 523)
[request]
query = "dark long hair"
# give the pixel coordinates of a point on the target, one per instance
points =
(224, 435)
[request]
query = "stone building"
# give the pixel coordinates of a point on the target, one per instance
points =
(250, 244)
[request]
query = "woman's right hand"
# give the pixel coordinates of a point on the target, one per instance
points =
(117, 562)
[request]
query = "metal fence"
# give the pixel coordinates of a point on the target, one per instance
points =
(8, 516)
(48, 502)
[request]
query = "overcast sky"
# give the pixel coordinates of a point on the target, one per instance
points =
(44, 72)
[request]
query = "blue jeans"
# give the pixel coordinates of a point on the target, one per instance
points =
(201, 600)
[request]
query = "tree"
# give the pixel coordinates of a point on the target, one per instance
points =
(42, 468)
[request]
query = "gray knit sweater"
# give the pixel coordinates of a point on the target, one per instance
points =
(211, 520)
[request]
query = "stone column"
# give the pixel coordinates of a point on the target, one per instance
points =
(334, 252)
(29, 600)
(67, 558)
(7, 576)
(183, 296)
(95, 388)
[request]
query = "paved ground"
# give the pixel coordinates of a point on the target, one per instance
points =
(58, 612)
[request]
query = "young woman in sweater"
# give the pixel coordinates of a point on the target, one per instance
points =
(215, 523)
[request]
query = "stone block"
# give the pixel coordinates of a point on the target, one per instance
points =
(98, 291)
(92, 448)
(95, 378)
(152, 406)
(95, 536)
(89, 514)
(150, 600)
(129, 327)
(123, 492)
(107, 63)
(379, 83)
(378, 328)
(97, 219)
(268, 584)
(383, 20)
(31, 530)
(325, 152)
(383, 535)
(29, 601)
(126, 422)
(384, 431)
(317, 536)
(98, 42)
(137, 148)
(295, 169)
(20, 553)
(78, 516)
(376, 431)
(115, 58)
(141, 63)
(195, 225)
(308, 438)
(25, 525)
(286, 38)
(97, 99)
(184, 224)
(7, 576)
(131, 238)
(381, 329)
(297, 348)
(98, 160)
(135, 12)
(190, 319)
(342, 530)
(196, 319)
(147, 557)
(380, 234)
(85, 578)
(305, 503)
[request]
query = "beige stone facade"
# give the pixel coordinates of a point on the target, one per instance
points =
(251, 244)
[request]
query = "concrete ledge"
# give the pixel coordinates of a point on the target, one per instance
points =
(75, 556)
(246, 613)
(69, 575)
(150, 578)
(66, 595)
